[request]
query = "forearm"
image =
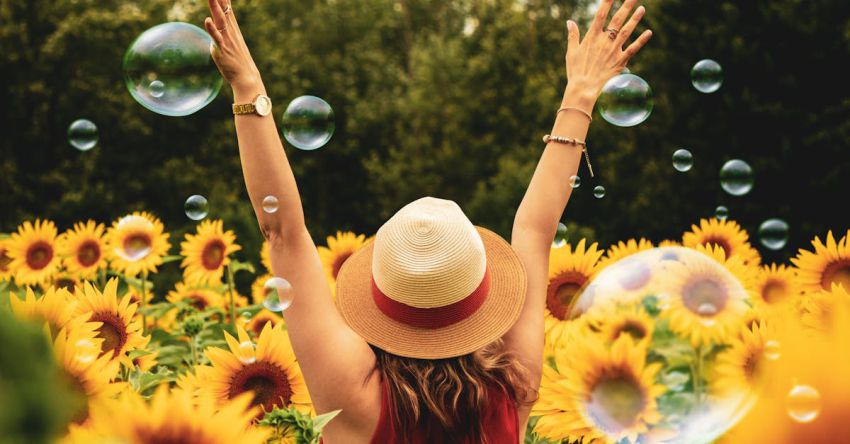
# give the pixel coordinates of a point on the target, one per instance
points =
(549, 189)
(265, 166)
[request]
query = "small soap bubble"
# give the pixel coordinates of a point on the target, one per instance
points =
(599, 192)
(803, 403)
(308, 123)
(86, 351)
(772, 350)
(707, 76)
(721, 212)
(82, 134)
(575, 181)
(270, 204)
(736, 177)
(278, 294)
(196, 207)
(156, 89)
(245, 353)
(138, 244)
(626, 100)
(773, 234)
(561, 236)
(683, 160)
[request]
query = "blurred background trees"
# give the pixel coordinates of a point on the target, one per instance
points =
(435, 97)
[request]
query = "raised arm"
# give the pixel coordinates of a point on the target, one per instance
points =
(335, 360)
(590, 63)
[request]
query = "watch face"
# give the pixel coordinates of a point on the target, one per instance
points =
(263, 105)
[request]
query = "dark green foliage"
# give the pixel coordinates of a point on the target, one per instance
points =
(422, 108)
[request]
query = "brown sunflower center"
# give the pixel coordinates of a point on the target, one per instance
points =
(39, 255)
(172, 434)
(721, 242)
(80, 406)
(198, 301)
(66, 283)
(837, 272)
(5, 260)
(212, 255)
(137, 246)
(616, 403)
(705, 297)
(631, 327)
(258, 323)
(113, 331)
(269, 383)
(774, 291)
(340, 259)
(562, 291)
(88, 253)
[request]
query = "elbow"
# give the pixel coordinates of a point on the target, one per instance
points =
(279, 235)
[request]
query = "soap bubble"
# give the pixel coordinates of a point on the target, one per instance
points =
(772, 350)
(169, 70)
(196, 207)
(278, 294)
(86, 351)
(245, 353)
(736, 177)
(773, 233)
(626, 100)
(270, 204)
(308, 123)
(561, 236)
(804, 403)
(707, 76)
(721, 212)
(575, 181)
(599, 192)
(82, 134)
(677, 312)
(683, 160)
(137, 244)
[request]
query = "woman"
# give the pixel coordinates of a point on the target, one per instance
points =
(437, 333)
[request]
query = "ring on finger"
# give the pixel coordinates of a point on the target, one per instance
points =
(222, 29)
(228, 10)
(612, 33)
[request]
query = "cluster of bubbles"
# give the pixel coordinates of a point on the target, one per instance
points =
(196, 207)
(82, 134)
(278, 294)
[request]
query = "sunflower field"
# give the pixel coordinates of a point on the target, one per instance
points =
(102, 355)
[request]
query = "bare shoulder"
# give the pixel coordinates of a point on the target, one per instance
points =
(358, 422)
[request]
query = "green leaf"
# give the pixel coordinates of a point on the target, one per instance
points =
(237, 266)
(145, 381)
(322, 420)
(133, 354)
(171, 258)
(675, 380)
(675, 352)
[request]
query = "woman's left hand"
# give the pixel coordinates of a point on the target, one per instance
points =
(230, 53)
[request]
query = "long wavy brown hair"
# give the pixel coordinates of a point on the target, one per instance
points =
(451, 393)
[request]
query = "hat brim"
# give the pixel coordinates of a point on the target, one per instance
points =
(500, 310)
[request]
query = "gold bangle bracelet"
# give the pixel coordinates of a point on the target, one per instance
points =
(586, 114)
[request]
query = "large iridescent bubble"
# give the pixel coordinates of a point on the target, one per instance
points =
(662, 348)
(169, 69)
(626, 100)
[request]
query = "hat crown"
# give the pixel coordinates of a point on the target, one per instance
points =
(428, 255)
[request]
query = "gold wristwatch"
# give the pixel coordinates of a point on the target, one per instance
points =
(262, 106)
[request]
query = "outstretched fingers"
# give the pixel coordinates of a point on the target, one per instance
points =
(213, 31)
(218, 18)
(601, 15)
(629, 28)
(573, 38)
(621, 15)
(636, 46)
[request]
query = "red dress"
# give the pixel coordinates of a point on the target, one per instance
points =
(501, 424)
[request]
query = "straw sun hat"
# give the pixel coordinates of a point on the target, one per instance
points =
(431, 285)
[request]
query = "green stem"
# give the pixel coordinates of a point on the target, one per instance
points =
(698, 381)
(230, 292)
(194, 351)
(143, 303)
(101, 278)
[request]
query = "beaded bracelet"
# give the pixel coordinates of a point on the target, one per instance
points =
(570, 141)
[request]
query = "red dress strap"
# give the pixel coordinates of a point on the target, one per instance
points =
(500, 423)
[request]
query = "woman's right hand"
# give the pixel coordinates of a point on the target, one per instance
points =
(592, 61)
(230, 52)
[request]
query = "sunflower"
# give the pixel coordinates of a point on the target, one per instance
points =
(829, 264)
(206, 253)
(265, 258)
(55, 308)
(747, 275)
(257, 322)
(624, 249)
(83, 249)
(598, 392)
(741, 367)
(76, 352)
(669, 243)
(702, 300)
(33, 252)
(170, 417)
(727, 234)
(776, 286)
(339, 249)
(818, 308)
(5, 260)
(147, 361)
(613, 321)
(269, 369)
(570, 270)
(200, 298)
(121, 331)
(258, 289)
(63, 279)
(136, 243)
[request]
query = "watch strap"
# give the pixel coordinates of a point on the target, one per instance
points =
(243, 108)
